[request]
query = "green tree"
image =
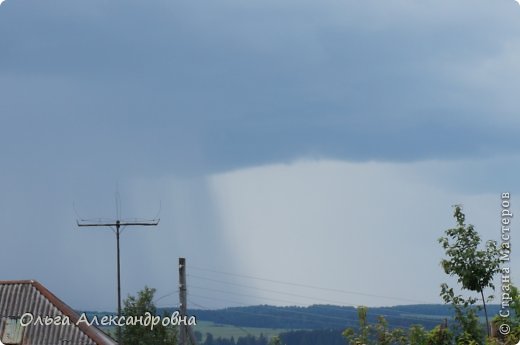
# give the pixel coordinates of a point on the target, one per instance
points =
(417, 335)
(398, 336)
(275, 340)
(364, 329)
(440, 336)
(141, 334)
(512, 319)
(473, 267)
(465, 314)
(381, 334)
(514, 336)
(209, 339)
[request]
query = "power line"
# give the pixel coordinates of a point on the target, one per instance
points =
(270, 290)
(348, 321)
(241, 294)
(172, 293)
(241, 328)
(399, 316)
(310, 286)
(338, 305)
(400, 311)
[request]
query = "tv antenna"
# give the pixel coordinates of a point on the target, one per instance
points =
(117, 226)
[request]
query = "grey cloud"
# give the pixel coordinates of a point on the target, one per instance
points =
(237, 84)
(92, 93)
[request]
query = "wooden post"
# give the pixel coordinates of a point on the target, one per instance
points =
(185, 331)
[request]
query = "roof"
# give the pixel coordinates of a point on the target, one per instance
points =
(18, 297)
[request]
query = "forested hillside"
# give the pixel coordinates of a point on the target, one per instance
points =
(327, 316)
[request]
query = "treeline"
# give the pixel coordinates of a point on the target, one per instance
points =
(246, 340)
(314, 337)
(321, 316)
(311, 337)
(328, 316)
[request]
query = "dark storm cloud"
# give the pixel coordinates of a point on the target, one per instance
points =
(208, 87)
(93, 93)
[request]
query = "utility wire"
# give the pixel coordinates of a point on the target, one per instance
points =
(270, 290)
(241, 328)
(294, 318)
(337, 306)
(309, 286)
(398, 316)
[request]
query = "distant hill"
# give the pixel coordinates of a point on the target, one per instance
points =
(314, 317)
(327, 316)
(319, 317)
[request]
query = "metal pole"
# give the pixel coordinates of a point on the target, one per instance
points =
(182, 300)
(118, 225)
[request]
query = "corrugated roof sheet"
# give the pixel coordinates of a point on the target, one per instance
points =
(29, 296)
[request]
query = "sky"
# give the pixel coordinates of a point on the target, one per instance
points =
(295, 152)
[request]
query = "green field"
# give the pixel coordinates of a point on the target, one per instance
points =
(228, 331)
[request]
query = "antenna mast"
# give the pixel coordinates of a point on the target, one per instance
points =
(118, 224)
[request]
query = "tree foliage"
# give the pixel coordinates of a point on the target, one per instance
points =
(474, 268)
(380, 333)
(469, 327)
(140, 334)
(513, 319)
